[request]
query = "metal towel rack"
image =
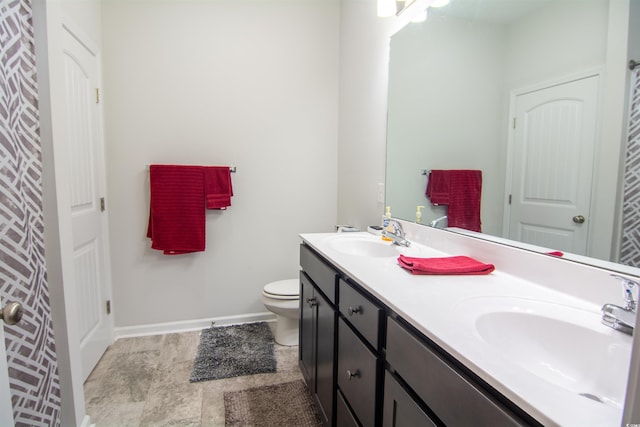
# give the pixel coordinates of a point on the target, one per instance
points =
(232, 169)
(633, 64)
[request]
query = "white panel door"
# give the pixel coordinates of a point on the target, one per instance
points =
(86, 188)
(553, 149)
(6, 409)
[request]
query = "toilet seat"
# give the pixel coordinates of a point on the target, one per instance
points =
(282, 289)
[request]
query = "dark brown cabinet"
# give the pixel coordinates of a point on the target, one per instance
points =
(318, 333)
(400, 409)
(367, 367)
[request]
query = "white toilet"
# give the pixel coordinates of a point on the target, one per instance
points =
(283, 299)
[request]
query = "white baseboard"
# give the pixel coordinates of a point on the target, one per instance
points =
(86, 422)
(190, 325)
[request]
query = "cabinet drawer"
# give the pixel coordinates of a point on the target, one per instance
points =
(363, 314)
(357, 370)
(322, 274)
(399, 409)
(440, 386)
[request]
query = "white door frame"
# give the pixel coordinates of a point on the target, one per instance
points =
(6, 408)
(592, 72)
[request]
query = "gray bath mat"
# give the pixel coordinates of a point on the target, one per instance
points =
(233, 351)
(286, 404)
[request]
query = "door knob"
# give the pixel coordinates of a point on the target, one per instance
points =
(578, 219)
(11, 313)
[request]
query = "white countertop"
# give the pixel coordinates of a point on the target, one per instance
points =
(440, 307)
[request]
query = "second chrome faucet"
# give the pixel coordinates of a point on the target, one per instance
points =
(622, 319)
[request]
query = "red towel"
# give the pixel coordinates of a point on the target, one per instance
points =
(176, 215)
(217, 187)
(446, 265)
(438, 187)
(461, 190)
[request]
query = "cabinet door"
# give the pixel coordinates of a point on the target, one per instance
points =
(325, 345)
(399, 409)
(307, 336)
(357, 374)
(344, 417)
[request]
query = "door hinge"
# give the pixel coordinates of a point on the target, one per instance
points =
(509, 198)
(102, 204)
(108, 306)
(98, 95)
(514, 122)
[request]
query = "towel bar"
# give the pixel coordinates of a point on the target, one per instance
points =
(232, 169)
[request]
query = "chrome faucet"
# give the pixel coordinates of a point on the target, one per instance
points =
(436, 221)
(397, 236)
(622, 319)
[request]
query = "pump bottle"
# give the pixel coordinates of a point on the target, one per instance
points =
(386, 224)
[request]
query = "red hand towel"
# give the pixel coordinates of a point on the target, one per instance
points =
(176, 215)
(461, 190)
(447, 265)
(217, 187)
(438, 187)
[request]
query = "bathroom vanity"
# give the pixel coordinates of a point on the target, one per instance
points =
(382, 347)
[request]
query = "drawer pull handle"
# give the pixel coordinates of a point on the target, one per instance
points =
(312, 302)
(354, 374)
(353, 311)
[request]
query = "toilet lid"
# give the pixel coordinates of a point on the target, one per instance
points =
(283, 289)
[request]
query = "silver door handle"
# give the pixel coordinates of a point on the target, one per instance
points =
(578, 219)
(11, 313)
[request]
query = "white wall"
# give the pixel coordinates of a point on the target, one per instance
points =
(252, 84)
(364, 49)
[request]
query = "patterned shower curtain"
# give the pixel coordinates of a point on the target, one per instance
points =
(630, 248)
(31, 355)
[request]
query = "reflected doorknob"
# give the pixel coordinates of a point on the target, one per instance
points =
(578, 219)
(11, 313)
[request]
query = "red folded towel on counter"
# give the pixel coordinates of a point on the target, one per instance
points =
(448, 265)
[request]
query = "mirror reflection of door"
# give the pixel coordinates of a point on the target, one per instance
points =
(553, 141)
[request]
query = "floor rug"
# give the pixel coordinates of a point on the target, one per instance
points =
(233, 351)
(286, 404)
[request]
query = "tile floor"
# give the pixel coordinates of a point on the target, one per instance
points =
(145, 382)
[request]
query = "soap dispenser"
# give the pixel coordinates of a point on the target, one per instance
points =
(386, 224)
(419, 214)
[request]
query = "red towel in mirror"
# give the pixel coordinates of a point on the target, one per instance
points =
(461, 191)
(447, 265)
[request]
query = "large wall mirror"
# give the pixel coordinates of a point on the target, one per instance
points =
(457, 82)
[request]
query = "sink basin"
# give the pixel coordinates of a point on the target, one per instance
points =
(564, 346)
(373, 246)
(364, 246)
